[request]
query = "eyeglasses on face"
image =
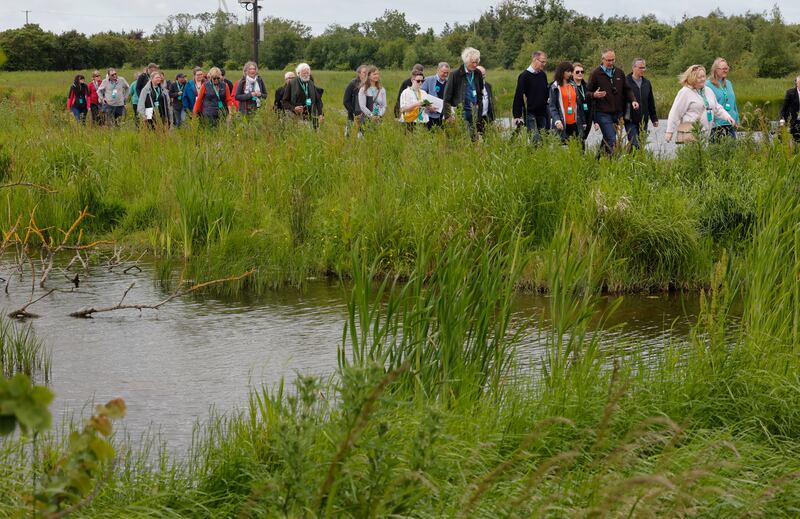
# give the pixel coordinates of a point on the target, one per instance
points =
(578, 72)
(417, 80)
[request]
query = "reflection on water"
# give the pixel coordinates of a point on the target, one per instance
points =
(171, 366)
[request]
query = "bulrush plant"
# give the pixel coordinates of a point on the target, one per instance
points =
(22, 352)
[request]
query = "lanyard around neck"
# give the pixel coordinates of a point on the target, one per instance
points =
(702, 94)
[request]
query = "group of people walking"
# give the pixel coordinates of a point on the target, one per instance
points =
(575, 101)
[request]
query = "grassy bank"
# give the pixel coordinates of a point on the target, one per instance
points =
(293, 203)
(433, 413)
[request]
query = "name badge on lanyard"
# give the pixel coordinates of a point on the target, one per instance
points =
(585, 107)
(727, 106)
(308, 101)
(709, 115)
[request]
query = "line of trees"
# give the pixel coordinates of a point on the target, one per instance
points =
(760, 43)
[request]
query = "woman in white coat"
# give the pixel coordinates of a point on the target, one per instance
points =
(694, 102)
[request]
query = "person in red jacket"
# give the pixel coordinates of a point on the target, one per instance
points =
(78, 100)
(214, 98)
(94, 99)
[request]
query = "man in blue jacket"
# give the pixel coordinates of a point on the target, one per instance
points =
(192, 89)
(434, 85)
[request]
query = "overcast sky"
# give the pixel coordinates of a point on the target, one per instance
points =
(90, 16)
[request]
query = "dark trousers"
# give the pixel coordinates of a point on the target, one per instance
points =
(96, 116)
(608, 127)
(536, 124)
(633, 130)
(113, 114)
(719, 133)
(434, 123)
(570, 130)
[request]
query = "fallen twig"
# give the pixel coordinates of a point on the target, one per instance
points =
(46, 189)
(88, 312)
(22, 313)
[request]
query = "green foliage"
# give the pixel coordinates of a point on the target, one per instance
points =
(73, 477)
(23, 404)
(772, 52)
(505, 34)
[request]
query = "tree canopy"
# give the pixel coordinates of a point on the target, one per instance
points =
(761, 43)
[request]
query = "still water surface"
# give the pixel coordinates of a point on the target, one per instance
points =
(174, 365)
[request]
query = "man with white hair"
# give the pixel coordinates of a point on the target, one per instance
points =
(464, 88)
(287, 78)
(302, 98)
(435, 85)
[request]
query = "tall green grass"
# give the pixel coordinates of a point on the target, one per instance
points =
(433, 413)
(22, 352)
(293, 203)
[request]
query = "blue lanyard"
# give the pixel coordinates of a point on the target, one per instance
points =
(470, 78)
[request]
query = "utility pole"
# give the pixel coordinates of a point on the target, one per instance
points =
(256, 32)
(26, 15)
(252, 5)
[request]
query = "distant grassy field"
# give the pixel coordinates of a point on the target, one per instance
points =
(757, 93)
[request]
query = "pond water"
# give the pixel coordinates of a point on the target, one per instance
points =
(174, 365)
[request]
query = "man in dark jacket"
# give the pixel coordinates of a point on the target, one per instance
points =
(144, 77)
(636, 120)
(611, 92)
(464, 88)
(790, 109)
(287, 78)
(350, 99)
(302, 98)
(531, 96)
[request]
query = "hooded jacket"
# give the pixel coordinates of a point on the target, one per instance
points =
(149, 99)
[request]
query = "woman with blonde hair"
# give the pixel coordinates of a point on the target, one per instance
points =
(214, 98)
(723, 91)
(694, 103)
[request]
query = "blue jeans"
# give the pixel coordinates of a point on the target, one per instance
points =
(536, 124)
(469, 120)
(80, 116)
(607, 122)
(633, 131)
(178, 116)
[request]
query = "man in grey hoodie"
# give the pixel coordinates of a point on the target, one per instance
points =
(112, 93)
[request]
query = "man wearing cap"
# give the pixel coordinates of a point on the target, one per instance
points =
(176, 98)
(144, 77)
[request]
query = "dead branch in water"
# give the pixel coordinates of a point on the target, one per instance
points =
(22, 313)
(41, 187)
(88, 312)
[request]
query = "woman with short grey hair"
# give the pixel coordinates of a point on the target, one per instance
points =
(250, 90)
